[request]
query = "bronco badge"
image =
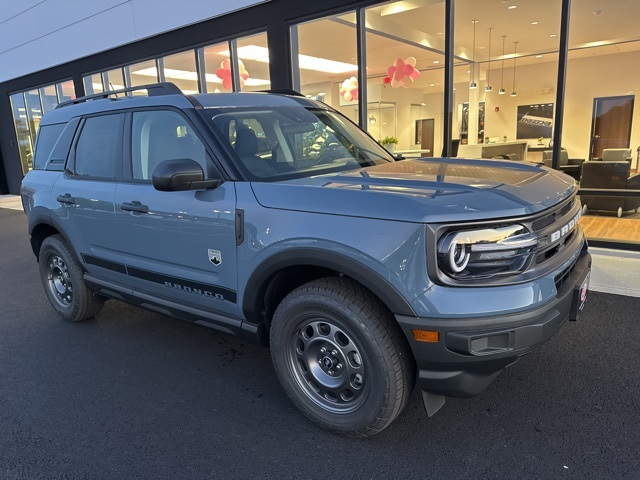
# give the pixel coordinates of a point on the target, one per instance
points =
(215, 257)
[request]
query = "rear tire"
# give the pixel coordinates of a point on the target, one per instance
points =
(341, 357)
(63, 281)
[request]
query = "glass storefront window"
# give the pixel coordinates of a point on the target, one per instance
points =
(142, 73)
(181, 70)
(253, 63)
(48, 97)
(93, 84)
(322, 72)
(504, 102)
(214, 60)
(113, 79)
(66, 91)
(21, 122)
(34, 112)
(601, 128)
(405, 76)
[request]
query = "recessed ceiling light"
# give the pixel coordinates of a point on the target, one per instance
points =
(535, 22)
(511, 7)
(423, 104)
(439, 33)
(468, 71)
(432, 84)
(553, 35)
(436, 61)
(538, 56)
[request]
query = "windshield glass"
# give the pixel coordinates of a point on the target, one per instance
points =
(275, 143)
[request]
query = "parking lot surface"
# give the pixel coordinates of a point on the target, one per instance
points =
(134, 394)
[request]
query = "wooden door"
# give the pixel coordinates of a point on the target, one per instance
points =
(611, 124)
(425, 137)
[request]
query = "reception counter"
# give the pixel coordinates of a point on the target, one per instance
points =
(490, 150)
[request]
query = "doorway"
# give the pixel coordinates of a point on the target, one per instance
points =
(424, 134)
(611, 123)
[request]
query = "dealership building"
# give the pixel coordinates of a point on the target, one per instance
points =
(551, 81)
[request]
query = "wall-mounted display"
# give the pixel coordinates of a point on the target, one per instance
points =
(535, 121)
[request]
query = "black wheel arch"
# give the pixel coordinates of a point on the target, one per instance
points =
(41, 226)
(253, 304)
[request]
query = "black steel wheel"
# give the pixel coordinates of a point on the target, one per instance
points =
(341, 357)
(63, 282)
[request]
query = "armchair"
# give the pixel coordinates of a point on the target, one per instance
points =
(570, 166)
(616, 155)
(609, 175)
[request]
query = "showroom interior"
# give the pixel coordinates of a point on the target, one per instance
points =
(506, 80)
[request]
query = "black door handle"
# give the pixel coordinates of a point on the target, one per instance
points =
(66, 198)
(134, 206)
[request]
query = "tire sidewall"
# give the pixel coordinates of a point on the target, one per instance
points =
(290, 316)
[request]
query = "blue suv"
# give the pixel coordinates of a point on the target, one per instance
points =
(273, 217)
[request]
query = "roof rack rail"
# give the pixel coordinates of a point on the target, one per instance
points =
(153, 90)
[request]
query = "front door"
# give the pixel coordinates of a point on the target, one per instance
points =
(424, 135)
(611, 124)
(178, 246)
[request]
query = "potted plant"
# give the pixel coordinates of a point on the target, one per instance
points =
(389, 143)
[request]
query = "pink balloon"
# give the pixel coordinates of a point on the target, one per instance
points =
(398, 75)
(399, 63)
(411, 61)
(415, 74)
(407, 81)
(222, 73)
(391, 70)
(226, 64)
(395, 83)
(408, 69)
(226, 83)
(347, 96)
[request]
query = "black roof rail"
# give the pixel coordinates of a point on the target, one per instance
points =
(284, 91)
(153, 90)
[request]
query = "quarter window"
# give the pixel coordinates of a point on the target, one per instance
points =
(99, 147)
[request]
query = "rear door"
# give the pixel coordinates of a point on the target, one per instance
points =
(85, 192)
(179, 246)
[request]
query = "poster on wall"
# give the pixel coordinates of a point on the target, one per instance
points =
(535, 121)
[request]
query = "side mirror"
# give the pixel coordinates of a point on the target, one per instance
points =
(180, 175)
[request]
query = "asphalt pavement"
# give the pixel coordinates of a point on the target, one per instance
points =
(134, 394)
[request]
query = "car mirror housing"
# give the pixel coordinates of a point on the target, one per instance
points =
(180, 175)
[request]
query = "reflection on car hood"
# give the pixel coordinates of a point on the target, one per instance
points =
(424, 190)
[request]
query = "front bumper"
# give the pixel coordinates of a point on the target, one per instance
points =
(471, 353)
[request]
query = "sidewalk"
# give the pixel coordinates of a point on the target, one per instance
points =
(614, 271)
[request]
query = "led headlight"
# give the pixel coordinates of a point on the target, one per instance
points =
(486, 252)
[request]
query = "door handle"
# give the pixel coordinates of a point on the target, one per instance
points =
(134, 206)
(66, 198)
(596, 136)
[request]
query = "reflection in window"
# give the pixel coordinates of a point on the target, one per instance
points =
(25, 145)
(48, 97)
(253, 63)
(97, 147)
(181, 70)
(66, 91)
(329, 76)
(215, 60)
(113, 79)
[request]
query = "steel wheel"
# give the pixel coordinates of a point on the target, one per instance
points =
(59, 281)
(328, 366)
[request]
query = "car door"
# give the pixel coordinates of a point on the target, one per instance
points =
(86, 191)
(177, 246)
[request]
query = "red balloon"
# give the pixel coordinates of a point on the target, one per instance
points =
(223, 73)
(226, 83)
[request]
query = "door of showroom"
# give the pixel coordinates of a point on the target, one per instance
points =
(611, 124)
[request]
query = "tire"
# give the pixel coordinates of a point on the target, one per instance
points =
(63, 281)
(341, 357)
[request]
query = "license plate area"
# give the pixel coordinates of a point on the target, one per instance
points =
(579, 298)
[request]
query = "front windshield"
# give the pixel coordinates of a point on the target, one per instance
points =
(274, 143)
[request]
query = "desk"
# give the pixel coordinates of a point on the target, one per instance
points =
(414, 153)
(490, 150)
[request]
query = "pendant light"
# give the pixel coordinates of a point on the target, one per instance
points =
(515, 48)
(488, 88)
(473, 83)
(502, 91)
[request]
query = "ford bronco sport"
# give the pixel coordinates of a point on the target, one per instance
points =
(273, 217)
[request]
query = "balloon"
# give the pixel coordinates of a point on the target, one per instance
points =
(402, 73)
(226, 83)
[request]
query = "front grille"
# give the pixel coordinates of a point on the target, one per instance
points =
(562, 277)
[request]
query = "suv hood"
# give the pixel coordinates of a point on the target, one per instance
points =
(424, 190)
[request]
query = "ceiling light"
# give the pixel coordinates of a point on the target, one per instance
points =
(511, 7)
(488, 88)
(535, 23)
(538, 56)
(553, 35)
(423, 104)
(398, 7)
(502, 90)
(436, 61)
(515, 50)
(305, 62)
(473, 83)
(432, 84)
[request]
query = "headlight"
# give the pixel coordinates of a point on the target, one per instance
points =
(486, 252)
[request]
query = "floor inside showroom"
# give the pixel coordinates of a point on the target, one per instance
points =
(614, 271)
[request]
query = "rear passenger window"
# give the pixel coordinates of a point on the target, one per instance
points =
(160, 135)
(47, 137)
(99, 148)
(60, 151)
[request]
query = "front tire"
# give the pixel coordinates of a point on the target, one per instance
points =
(341, 357)
(63, 281)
